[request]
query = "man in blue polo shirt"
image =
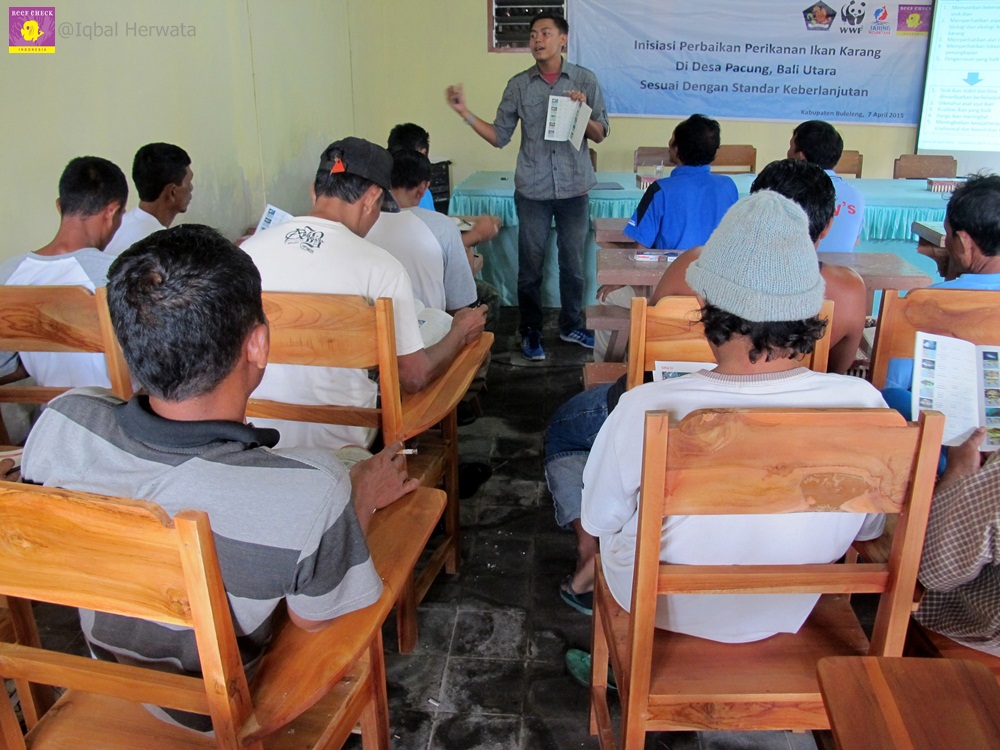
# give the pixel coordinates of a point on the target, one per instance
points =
(682, 210)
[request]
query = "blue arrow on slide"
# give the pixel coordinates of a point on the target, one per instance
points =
(972, 79)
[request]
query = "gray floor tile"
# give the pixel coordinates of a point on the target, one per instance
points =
(414, 682)
(556, 733)
(476, 733)
(483, 686)
(491, 634)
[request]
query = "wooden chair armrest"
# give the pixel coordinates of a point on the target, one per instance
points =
(428, 407)
(299, 668)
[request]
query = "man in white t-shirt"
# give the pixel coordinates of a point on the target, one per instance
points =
(163, 178)
(325, 252)
(92, 197)
(427, 243)
(762, 293)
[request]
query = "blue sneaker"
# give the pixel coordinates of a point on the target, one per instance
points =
(580, 336)
(531, 345)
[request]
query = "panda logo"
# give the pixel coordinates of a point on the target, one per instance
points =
(853, 13)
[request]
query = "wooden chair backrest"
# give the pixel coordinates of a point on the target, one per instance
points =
(651, 156)
(735, 159)
(911, 166)
(770, 461)
(968, 314)
(126, 557)
(850, 163)
(671, 330)
(58, 319)
(334, 330)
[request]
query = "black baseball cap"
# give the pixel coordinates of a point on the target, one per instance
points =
(364, 159)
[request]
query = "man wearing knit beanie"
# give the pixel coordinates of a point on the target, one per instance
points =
(759, 316)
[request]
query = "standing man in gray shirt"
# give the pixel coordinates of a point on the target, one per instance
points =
(551, 180)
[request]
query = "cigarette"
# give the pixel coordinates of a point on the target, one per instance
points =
(407, 452)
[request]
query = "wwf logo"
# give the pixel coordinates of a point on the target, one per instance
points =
(853, 13)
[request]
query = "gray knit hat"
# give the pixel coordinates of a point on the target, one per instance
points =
(759, 263)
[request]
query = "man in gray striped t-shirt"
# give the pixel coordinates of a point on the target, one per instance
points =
(288, 524)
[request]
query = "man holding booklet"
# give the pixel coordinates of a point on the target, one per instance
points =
(972, 240)
(552, 176)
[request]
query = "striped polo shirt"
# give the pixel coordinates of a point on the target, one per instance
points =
(282, 520)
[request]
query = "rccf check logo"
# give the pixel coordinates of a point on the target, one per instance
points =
(31, 30)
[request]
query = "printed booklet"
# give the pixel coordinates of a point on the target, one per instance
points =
(567, 120)
(960, 380)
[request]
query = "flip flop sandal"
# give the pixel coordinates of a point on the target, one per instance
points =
(578, 665)
(582, 603)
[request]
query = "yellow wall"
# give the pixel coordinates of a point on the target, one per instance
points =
(253, 97)
(265, 85)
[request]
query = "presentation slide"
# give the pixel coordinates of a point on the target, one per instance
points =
(961, 105)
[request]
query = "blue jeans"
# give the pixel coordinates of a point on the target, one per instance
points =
(568, 440)
(534, 217)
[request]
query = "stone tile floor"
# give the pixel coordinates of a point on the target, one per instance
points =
(488, 672)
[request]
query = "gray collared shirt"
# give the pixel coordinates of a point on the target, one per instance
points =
(548, 169)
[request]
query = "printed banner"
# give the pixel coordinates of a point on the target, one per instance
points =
(845, 61)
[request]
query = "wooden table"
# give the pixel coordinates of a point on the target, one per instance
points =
(610, 230)
(878, 703)
(879, 270)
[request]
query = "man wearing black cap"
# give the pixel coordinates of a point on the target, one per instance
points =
(326, 253)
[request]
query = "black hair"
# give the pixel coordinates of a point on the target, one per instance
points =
(697, 140)
(975, 208)
(408, 137)
(157, 165)
(559, 21)
(343, 185)
(806, 184)
(409, 169)
(783, 339)
(89, 184)
(819, 142)
(182, 302)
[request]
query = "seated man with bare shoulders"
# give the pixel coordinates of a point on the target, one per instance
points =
(289, 525)
(811, 188)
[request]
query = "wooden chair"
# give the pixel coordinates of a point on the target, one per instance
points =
(914, 166)
(57, 319)
(735, 160)
(328, 330)
(850, 163)
(670, 331)
(751, 461)
(651, 156)
(968, 314)
(127, 557)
